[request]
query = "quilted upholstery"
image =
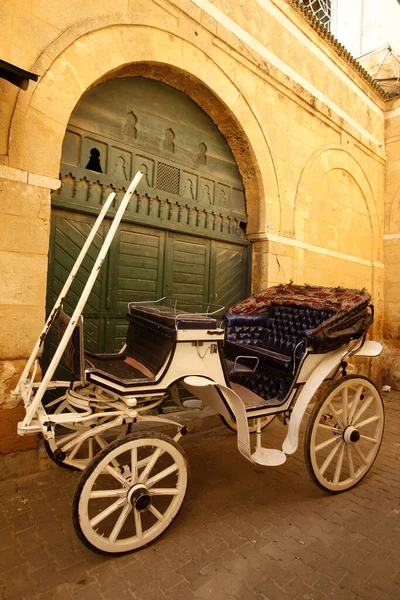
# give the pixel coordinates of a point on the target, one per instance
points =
(272, 337)
(246, 329)
(286, 326)
(267, 383)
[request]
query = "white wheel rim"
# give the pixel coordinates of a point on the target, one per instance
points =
(80, 455)
(353, 409)
(118, 525)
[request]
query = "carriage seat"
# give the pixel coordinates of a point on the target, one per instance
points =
(148, 345)
(273, 337)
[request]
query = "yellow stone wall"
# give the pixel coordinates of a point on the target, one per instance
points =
(391, 371)
(307, 132)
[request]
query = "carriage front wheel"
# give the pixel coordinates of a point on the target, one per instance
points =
(129, 494)
(344, 433)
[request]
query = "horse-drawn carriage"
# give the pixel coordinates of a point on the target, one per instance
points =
(269, 355)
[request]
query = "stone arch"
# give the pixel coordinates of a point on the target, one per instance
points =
(324, 160)
(154, 51)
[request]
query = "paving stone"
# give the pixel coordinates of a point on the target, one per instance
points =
(120, 591)
(92, 592)
(193, 575)
(150, 591)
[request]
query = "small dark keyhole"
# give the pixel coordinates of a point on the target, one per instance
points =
(94, 161)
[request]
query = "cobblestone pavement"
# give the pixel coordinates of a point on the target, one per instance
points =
(244, 533)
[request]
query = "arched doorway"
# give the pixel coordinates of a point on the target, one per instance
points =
(183, 234)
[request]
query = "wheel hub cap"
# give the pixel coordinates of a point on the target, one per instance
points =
(139, 497)
(351, 435)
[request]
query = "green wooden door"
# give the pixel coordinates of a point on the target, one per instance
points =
(183, 233)
(138, 264)
(229, 273)
(187, 270)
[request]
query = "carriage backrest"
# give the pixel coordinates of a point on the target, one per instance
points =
(246, 329)
(279, 329)
(149, 341)
(287, 324)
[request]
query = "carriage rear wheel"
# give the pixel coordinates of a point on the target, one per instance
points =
(130, 493)
(81, 453)
(344, 433)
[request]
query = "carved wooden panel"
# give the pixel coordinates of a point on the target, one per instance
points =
(191, 179)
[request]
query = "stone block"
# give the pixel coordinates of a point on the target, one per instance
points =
(24, 234)
(36, 143)
(392, 252)
(36, 33)
(20, 327)
(74, 11)
(23, 279)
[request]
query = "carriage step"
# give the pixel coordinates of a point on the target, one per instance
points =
(269, 457)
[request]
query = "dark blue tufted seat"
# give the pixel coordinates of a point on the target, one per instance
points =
(272, 337)
(246, 329)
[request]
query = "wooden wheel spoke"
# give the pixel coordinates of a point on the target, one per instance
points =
(90, 449)
(355, 402)
(369, 439)
(329, 459)
(75, 449)
(163, 492)
(152, 461)
(325, 444)
(338, 470)
(367, 421)
(134, 464)
(107, 493)
(350, 461)
(120, 522)
(107, 512)
(138, 523)
(162, 475)
(103, 444)
(328, 427)
(101, 441)
(345, 403)
(114, 473)
(360, 454)
(67, 438)
(156, 513)
(362, 410)
(335, 414)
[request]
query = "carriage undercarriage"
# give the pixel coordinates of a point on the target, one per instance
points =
(264, 362)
